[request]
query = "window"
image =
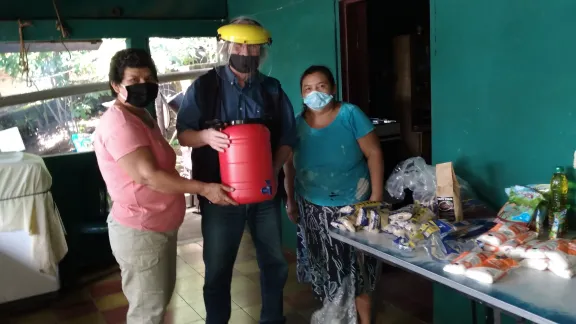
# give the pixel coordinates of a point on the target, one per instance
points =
(63, 124)
(183, 54)
(66, 124)
(56, 66)
(179, 55)
(58, 125)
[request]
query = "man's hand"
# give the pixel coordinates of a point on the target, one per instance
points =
(217, 194)
(215, 139)
(292, 210)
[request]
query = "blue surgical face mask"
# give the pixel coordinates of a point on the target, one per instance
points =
(317, 100)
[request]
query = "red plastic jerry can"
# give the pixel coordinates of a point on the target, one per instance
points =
(246, 165)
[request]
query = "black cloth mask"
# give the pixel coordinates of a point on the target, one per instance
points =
(141, 94)
(243, 63)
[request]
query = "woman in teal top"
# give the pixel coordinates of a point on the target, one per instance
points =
(336, 162)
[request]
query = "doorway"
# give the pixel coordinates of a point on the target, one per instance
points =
(385, 63)
(385, 51)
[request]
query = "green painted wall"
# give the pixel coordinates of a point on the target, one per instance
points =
(503, 96)
(303, 34)
(166, 9)
(503, 90)
(83, 29)
(95, 19)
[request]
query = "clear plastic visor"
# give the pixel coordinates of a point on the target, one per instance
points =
(245, 58)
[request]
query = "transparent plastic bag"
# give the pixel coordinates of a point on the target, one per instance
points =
(341, 310)
(420, 178)
(444, 251)
(413, 174)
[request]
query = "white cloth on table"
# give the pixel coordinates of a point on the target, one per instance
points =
(26, 204)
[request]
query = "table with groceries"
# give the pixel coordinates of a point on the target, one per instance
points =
(519, 260)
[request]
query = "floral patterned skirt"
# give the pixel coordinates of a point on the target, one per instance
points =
(325, 262)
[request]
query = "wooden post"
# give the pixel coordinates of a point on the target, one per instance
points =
(160, 115)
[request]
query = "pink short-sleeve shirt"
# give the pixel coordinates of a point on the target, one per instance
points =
(137, 206)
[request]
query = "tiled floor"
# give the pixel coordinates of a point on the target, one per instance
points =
(104, 302)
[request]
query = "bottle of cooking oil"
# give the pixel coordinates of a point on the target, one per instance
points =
(558, 196)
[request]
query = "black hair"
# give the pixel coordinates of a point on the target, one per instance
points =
(129, 58)
(317, 69)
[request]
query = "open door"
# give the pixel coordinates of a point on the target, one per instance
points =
(354, 53)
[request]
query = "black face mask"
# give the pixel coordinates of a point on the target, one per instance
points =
(244, 64)
(141, 94)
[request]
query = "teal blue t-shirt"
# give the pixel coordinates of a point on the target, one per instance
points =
(331, 169)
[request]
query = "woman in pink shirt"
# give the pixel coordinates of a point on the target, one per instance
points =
(138, 166)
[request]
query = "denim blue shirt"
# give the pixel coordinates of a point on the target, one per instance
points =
(239, 103)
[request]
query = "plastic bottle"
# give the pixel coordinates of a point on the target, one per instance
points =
(558, 194)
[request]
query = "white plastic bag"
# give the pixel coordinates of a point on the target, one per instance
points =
(564, 257)
(341, 310)
(537, 264)
(560, 272)
(539, 251)
(491, 270)
(465, 261)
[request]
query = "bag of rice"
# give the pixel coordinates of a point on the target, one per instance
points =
(465, 261)
(492, 269)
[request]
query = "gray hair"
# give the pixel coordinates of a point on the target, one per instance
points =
(244, 20)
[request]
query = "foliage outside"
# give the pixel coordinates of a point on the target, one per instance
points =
(79, 114)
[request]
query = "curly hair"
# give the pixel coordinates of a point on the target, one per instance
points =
(129, 58)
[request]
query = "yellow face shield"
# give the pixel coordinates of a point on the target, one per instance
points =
(244, 47)
(244, 34)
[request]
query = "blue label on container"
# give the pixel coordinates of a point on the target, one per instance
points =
(268, 189)
(443, 226)
(524, 217)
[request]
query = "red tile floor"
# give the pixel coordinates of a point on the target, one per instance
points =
(104, 303)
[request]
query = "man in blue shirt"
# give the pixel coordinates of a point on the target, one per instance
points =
(238, 91)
